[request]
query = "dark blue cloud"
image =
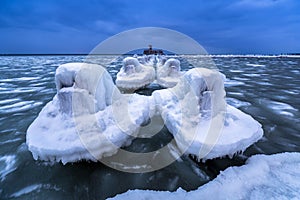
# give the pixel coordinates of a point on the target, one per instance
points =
(233, 26)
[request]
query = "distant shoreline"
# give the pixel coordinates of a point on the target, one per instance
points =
(204, 55)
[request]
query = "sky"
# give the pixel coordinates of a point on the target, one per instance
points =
(220, 26)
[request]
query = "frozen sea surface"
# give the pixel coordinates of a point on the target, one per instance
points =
(267, 88)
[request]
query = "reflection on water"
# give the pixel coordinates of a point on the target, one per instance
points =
(265, 87)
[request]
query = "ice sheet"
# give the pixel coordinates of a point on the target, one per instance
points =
(263, 177)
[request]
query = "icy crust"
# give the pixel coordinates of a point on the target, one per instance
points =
(263, 177)
(84, 120)
(134, 75)
(203, 125)
(168, 72)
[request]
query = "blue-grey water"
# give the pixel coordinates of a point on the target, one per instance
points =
(268, 88)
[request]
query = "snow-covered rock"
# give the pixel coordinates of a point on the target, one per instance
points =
(203, 125)
(134, 75)
(263, 177)
(87, 119)
(168, 72)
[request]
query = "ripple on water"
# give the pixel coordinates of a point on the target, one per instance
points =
(255, 65)
(264, 83)
(231, 83)
(19, 79)
(252, 75)
(279, 107)
(19, 107)
(236, 71)
(7, 165)
(21, 90)
(236, 94)
(7, 101)
(33, 188)
(237, 103)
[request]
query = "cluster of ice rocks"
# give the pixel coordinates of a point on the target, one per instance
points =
(138, 72)
(89, 118)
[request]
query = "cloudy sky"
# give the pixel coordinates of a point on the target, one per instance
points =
(220, 26)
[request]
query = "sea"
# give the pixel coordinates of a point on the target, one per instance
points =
(265, 87)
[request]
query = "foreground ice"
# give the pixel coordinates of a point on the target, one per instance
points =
(168, 72)
(134, 75)
(87, 118)
(263, 177)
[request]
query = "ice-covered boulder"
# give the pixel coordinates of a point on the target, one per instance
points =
(87, 119)
(134, 75)
(168, 72)
(203, 125)
(263, 177)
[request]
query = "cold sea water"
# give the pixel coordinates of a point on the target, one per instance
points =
(266, 87)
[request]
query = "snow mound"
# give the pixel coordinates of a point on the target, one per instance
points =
(134, 75)
(263, 177)
(168, 72)
(87, 118)
(203, 125)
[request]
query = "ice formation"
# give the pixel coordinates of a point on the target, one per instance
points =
(134, 75)
(168, 72)
(87, 119)
(203, 125)
(263, 177)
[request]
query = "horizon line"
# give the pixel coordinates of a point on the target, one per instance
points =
(86, 54)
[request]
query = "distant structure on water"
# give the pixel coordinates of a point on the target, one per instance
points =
(151, 51)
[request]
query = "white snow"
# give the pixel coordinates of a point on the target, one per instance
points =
(134, 75)
(168, 72)
(195, 112)
(263, 177)
(83, 121)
